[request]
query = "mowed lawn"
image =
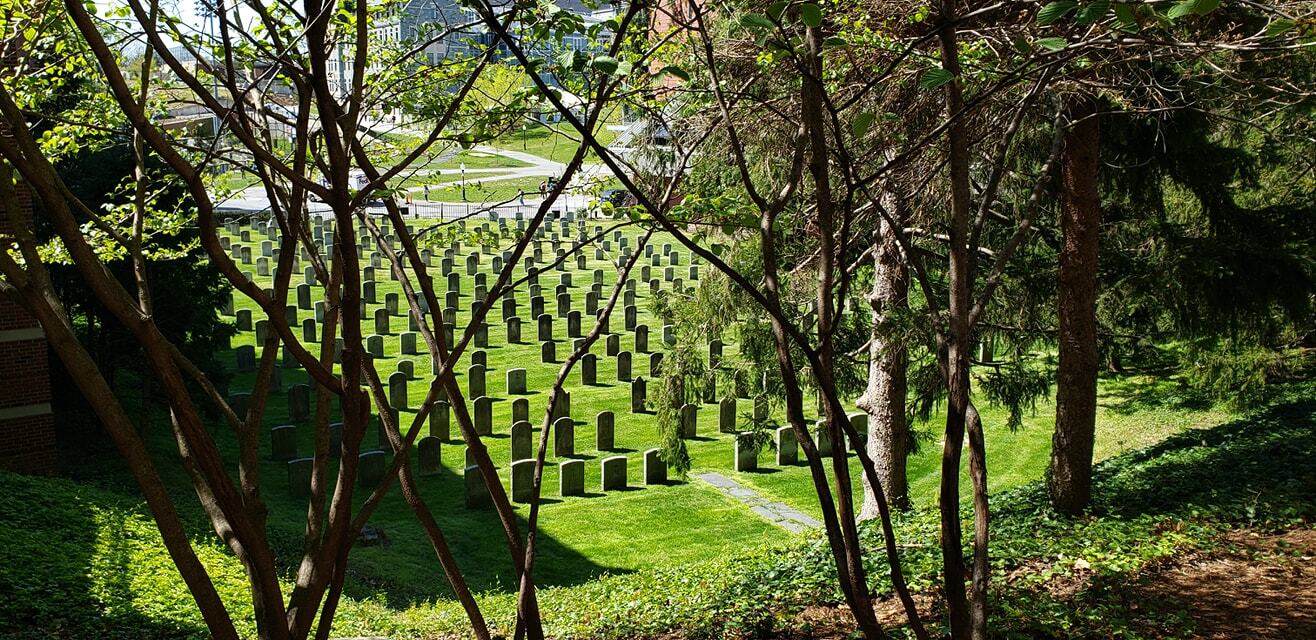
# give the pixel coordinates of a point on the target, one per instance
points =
(617, 531)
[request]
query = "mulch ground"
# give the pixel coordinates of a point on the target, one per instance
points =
(1255, 586)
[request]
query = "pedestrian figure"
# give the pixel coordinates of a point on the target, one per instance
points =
(543, 189)
(427, 193)
(520, 196)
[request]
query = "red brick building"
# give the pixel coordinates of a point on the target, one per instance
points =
(27, 426)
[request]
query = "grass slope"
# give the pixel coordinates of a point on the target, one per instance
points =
(585, 537)
(78, 562)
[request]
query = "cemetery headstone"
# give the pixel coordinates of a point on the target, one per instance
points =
(614, 473)
(571, 478)
(655, 470)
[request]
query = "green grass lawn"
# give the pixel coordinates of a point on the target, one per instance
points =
(556, 145)
(622, 531)
(477, 160)
(619, 532)
(582, 537)
(479, 189)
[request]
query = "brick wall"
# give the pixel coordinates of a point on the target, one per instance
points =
(27, 428)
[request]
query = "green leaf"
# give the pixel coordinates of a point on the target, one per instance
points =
(756, 21)
(1054, 11)
(567, 59)
(935, 77)
(1192, 7)
(1126, 15)
(625, 67)
(861, 123)
(1180, 10)
(776, 9)
(1280, 27)
(675, 72)
(835, 41)
(1052, 44)
(1093, 12)
(811, 15)
(606, 64)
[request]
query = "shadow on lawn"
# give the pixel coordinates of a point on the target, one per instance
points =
(1129, 394)
(68, 566)
(477, 541)
(1255, 469)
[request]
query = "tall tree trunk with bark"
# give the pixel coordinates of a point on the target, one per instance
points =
(1069, 477)
(884, 399)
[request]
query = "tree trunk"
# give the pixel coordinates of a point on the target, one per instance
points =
(884, 399)
(1069, 477)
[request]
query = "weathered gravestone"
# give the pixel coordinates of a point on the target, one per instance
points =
(545, 327)
(788, 447)
(859, 422)
(475, 380)
(614, 473)
(726, 415)
(573, 324)
(604, 431)
(639, 396)
(523, 475)
(522, 433)
(516, 381)
(513, 330)
(520, 410)
(642, 338)
(589, 365)
(371, 468)
(246, 357)
(299, 477)
(428, 451)
(564, 438)
(240, 402)
(747, 453)
(655, 470)
(483, 415)
(477, 494)
(440, 425)
(283, 442)
(571, 478)
(397, 390)
(624, 366)
(299, 402)
(689, 420)
(822, 439)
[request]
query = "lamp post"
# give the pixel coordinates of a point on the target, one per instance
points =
(463, 167)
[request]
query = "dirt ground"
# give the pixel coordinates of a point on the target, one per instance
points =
(1262, 587)
(1255, 587)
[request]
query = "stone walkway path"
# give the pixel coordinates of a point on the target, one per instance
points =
(782, 515)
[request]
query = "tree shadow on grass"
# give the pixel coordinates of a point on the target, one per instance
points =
(1254, 470)
(407, 570)
(71, 566)
(1129, 394)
